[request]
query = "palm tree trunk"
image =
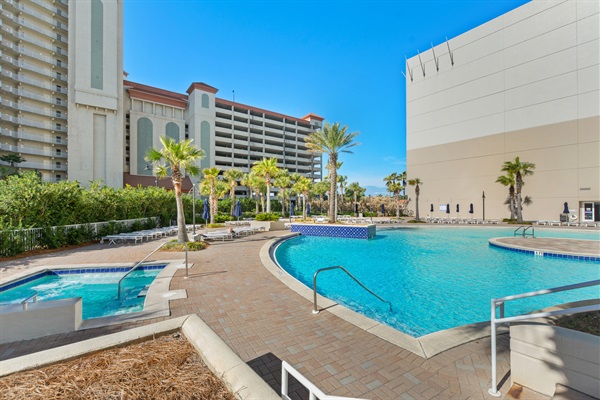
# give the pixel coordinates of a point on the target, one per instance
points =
(262, 202)
(333, 188)
(268, 198)
(355, 204)
(398, 204)
(518, 205)
(182, 236)
(511, 197)
(212, 202)
(255, 200)
(232, 197)
(417, 191)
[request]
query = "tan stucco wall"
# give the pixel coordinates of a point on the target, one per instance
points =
(566, 155)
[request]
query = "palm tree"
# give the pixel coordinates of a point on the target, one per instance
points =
(333, 140)
(304, 186)
(232, 176)
(394, 186)
(342, 180)
(356, 191)
(519, 169)
(267, 169)
(11, 159)
(176, 157)
(509, 180)
(283, 182)
(211, 175)
(321, 188)
(416, 182)
(402, 178)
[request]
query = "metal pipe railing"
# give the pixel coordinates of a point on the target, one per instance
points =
(315, 308)
(495, 303)
(145, 258)
(26, 301)
(524, 233)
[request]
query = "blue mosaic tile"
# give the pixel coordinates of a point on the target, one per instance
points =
(548, 254)
(341, 231)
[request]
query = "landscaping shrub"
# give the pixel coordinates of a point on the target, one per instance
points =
(192, 246)
(268, 217)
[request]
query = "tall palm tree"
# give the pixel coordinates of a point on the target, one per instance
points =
(416, 182)
(232, 176)
(211, 175)
(267, 169)
(509, 180)
(333, 140)
(519, 169)
(176, 157)
(402, 179)
(394, 186)
(342, 181)
(321, 188)
(283, 182)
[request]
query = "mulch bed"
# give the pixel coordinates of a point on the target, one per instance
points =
(585, 322)
(167, 367)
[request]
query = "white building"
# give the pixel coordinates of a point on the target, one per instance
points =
(525, 84)
(66, 108)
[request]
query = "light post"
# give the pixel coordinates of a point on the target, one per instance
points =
(194, 208)
(483, 199)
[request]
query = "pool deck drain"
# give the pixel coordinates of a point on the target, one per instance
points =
(265, 322)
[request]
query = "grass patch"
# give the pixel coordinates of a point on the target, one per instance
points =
(584, 322)
(414, 221)
(192, 246)
(215, 225)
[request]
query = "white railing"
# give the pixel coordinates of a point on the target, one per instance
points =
(314, 392)
(499, 303)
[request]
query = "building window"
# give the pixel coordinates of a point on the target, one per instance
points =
(58, 152)
(58, 63)
(59, 127)
(204, 100)
(58, 75)
(58, 139)
(144, 142)
(58, 177)
(172, 131)
(59, 88)
(58, 113)
(58, 101)
(58, 164)
(97, 45)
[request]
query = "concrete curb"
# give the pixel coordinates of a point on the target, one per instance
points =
(217, 355)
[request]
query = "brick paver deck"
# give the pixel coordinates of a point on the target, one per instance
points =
(265, 322)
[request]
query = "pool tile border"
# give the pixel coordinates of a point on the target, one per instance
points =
(541, 253)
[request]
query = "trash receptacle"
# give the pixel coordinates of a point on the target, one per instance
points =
(564, 217)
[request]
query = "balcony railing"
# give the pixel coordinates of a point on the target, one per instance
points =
(38, 56)
(32, 150)
(38, 15)
(55, 10)
(33, 137)
(46, 166)
(33, 123)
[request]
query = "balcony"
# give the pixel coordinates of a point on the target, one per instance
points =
(50, 60)
(35, 82)
(32, 137)
(48, 7)
(37, 42)
(34, 151)
(40, 16)
(45, 166)
(34, 123)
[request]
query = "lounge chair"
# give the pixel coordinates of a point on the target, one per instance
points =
(217, 235)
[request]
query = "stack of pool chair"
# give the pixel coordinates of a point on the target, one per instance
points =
(237, 232)
(140, 235)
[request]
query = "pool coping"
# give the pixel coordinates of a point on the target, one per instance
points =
(544, 252)
(425, 346)
(216, 354)
(157, 299)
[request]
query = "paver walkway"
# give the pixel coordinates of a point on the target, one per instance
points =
(265, 322)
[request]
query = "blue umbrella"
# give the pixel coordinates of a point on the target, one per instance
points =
(205, 212)
(431, 208)
(471, 209)
(292, 208)
(457, 208)
(447, 208)
(237, 210)
(382, 208)
(356, 209)
(307, 208)
(566, 209)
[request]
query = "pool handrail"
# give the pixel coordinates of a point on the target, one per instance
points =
(524, 233)
(33, 297)
(499, 303)
(316, 309)
(144, 259)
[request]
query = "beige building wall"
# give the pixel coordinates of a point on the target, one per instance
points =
(525, 84)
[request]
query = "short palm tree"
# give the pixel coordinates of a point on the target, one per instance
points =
(394, 186)
(267, 169)
(402, 179)
(321, 188)
(176, 158)
(342, 181)
(303, 186)
(357, 192)
(509, 180)
(416, 182)
(211, 175)
(333, 140)
(232, 177)
(519, 169)
(283, 182)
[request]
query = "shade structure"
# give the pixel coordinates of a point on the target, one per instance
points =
(471, 208)
(307, 208)
(566, 209)
(457, 208)
(205, 211)
(447, 208)
(237, 210)
(431, 208)
(382, 208)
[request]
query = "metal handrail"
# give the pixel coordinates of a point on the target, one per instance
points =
(524, 233)
(145, 258)
(313, 391)
(315, 308)
(500, 303)
(33, 297)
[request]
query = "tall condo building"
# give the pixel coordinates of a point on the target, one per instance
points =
(526, 85)
(34, 71)
(69, 111)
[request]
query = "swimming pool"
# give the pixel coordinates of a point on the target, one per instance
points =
(96, 287)
(435, 277)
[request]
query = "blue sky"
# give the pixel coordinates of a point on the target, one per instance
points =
(338, 59)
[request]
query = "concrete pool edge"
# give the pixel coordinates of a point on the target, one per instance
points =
(425, 346)
(217, 355)
(545, 250)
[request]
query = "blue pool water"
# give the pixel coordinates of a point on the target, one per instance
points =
(435, 278)
(98, 291)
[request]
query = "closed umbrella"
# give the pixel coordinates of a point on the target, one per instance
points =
(383, 208)
(307, 208)
(205, 212)
(447, 208)
(237, 210)
(292, 206)
(431, 208)
(356, 209)
(457, 208)
(471, 208)
(566, 209)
